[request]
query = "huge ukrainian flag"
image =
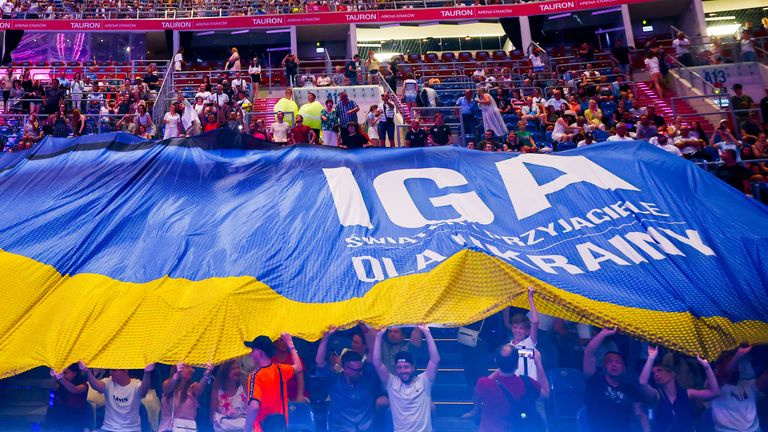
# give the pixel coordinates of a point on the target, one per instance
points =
(122, 252)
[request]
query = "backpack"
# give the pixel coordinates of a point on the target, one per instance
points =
(423, 99)
(523, 413)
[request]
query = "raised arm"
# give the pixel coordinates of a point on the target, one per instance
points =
(381, 369)
(416, 337)
(97, 385)
(645, 375)
(169, 385)
(199, 389)
(298, 368)
(713, 389)
(434, 356)
(322, 349)
(146, 380)
(370, 339)
(590, 362)
(71, 388)
(534, 313)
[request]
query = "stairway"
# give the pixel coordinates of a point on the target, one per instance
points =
(646, 96)
(265, 105)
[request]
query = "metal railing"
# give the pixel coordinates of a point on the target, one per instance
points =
(398, 106)
(162, 100)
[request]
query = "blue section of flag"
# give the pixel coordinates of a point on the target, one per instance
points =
(224, 205)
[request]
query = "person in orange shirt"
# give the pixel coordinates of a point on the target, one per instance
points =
(267, 386)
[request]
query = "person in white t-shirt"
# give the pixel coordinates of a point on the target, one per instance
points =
(122, 398)
(178, 60)
(736, 407)
(662, 141)
(524, 330)
(279, 130)
(219, 98)
(683, 49)
(203, 93)
(410, 395)
(621, 133)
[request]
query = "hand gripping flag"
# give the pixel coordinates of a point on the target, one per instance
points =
(121, 252)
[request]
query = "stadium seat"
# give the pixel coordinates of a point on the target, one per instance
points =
(516, 55)
(448, 57)
(414, 58)
(465, 56)
(300, 417)
(482, 56)
(499, 55)
(566, 396)
(430, 58)
(599, 135)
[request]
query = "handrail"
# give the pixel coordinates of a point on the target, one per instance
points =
(161, 100)
(706, 86)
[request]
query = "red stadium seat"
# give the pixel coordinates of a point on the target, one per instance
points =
(499, 55)
(414, 58)
(448, 57)
(516, 55)
(430, 58)
(465, 56)
(482, 56)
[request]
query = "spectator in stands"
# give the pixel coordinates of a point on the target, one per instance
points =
(372, 124)
(488, 142)
(536, 63)
(291, 65)
(508, 400)
(410, 395)
(655, 118)
(467, 108)
(59, 125)
(122, 397)
(346, 110)
(589, 139)
(747, 47)
(428, 96)
(674, 403)
(53, 97)
(329, 125)
(279, 130)
(492, 118)
(556, 101)
(736, 407)
(301, 134)
(32, 131)
(14, 104)
(654, 70)
(416, 136)
(645, 129)
(69, 408)
(661, 140)
(620, 55)
(760, 147)
(296, 388)
(723, 139)
(210, 123)
(254, 70)
(233, 62)
(238, 84)
(613, 402)
(219, 99)
(682, 47)
(126, 124)
(180, 400)
(373, 66)
(171, 123)
(387, 121)
(690, 147)
(562, 132)
(732, 172)
(267, 406)
(352, 137)
(7, 84)
(594, 115)
(338, 78)
(354, 393)
(350, 70)
(178, 60)
(410, 91)
(77, 122)
(439, 133)
(228, 399)
(741, 103)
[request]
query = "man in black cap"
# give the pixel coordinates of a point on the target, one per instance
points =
(267, 386)
(410, 395)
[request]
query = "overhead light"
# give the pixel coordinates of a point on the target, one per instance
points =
(283, 30)
(723, 30)
(558, 16)
(206, 33)
(389, 25)
(467, 38)
(427, 24)
(604, 11)
(720, 18)
(369, 44)
(240, 32)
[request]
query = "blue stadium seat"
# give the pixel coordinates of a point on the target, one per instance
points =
(300, 418)
(566, 396)
(599, 135)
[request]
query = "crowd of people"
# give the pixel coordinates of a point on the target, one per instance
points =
(364, 379)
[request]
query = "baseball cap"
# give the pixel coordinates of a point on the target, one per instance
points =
(262, 343)
(404, 356)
